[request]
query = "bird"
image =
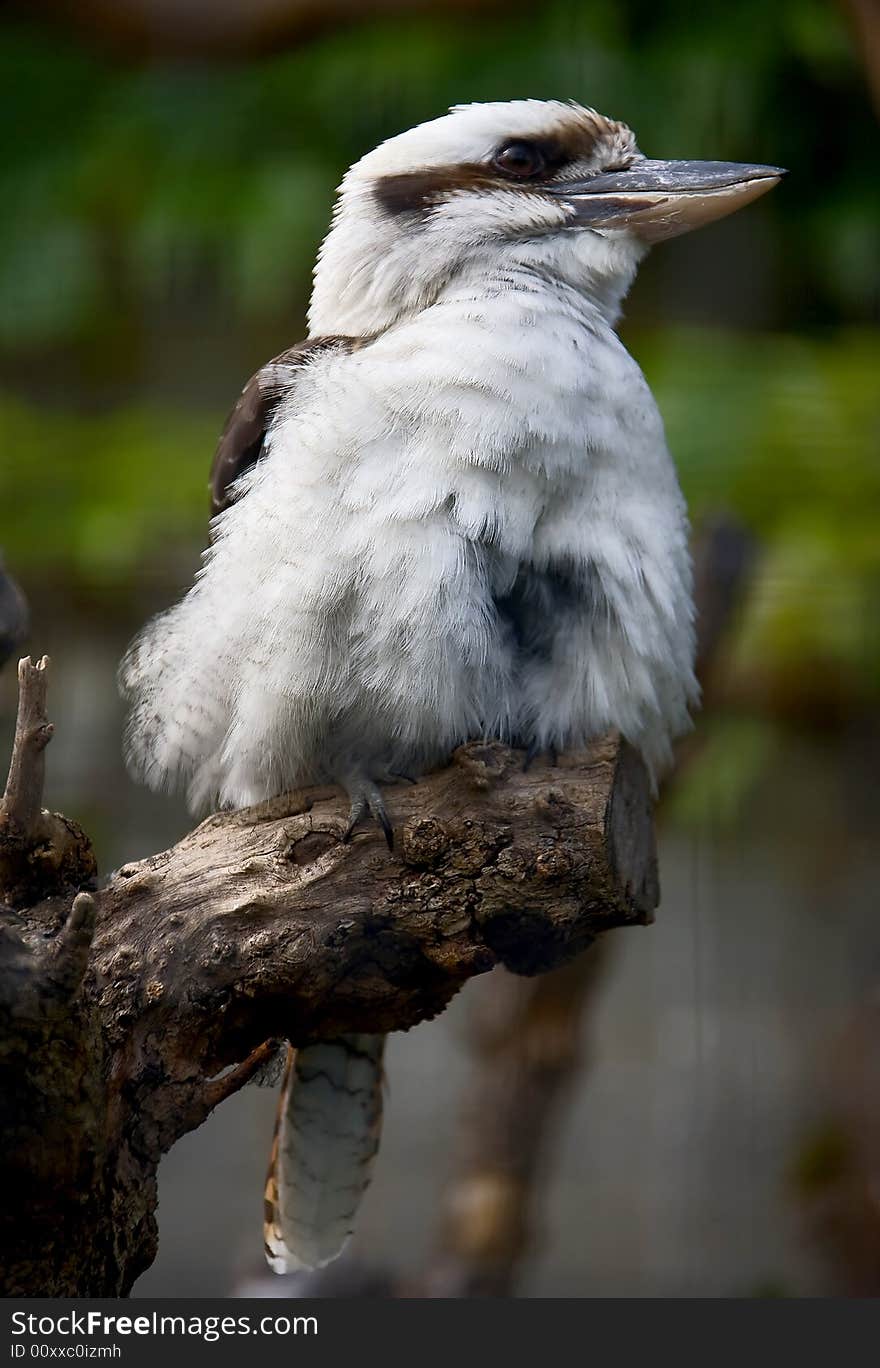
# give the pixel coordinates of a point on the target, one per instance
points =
(449, 514)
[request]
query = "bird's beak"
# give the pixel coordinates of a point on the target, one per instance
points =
(662, 199)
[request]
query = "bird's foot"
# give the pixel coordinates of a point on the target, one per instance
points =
(366, 800)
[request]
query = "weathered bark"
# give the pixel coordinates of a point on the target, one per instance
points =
(129, 1011)
(39, 851)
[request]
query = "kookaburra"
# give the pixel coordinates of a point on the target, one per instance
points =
(450, 513)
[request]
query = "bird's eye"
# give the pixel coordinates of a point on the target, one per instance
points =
(520, 159)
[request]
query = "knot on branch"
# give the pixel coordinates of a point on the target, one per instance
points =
(42, 974)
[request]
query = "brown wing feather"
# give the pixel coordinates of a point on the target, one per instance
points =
(243, 438)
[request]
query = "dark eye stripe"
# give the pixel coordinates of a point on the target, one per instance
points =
(415, 192)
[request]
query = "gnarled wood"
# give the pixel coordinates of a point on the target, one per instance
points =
(130, 1011)
(38, 849)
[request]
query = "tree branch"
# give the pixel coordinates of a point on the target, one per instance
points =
(22, 801)
(159, 991)
(38, 850)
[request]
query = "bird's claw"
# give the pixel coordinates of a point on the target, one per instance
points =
(366, 800)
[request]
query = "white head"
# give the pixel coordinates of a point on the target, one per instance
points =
(531, 184)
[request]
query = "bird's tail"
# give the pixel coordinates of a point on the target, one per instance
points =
(326, 1138)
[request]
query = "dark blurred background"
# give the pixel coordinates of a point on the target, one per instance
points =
(167, 172)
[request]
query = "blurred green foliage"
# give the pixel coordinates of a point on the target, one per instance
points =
(104, 497)
(784, 431)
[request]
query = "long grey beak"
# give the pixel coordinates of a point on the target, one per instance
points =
(662, 199)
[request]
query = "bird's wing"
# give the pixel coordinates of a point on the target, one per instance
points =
(242, 440)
